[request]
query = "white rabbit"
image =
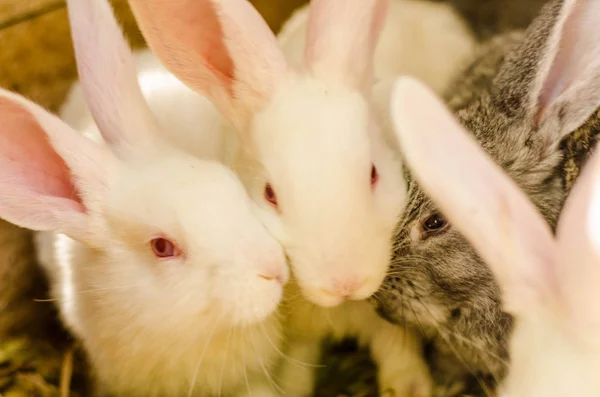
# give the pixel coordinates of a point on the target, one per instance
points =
(226, 51)
(424, 39)
(156, 258)
(311, 155)
(550, 285)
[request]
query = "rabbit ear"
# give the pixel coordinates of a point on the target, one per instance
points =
(578, 234)
(222, 49)
(559, 57)
(50, 175)
(473, 192)
(108, 75)
(342, 37)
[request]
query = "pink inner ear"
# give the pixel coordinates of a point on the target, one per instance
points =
(342, 37)
(29, 160)
(578, 39)
(211, 47)
(187, 33)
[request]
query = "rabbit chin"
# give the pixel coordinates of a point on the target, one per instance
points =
(334, 294)
(249, 303)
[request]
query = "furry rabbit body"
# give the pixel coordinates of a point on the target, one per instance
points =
(549, 284)
(156, 258)
(326, 112)
(523, 94)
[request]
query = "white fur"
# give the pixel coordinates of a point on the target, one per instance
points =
(423, 39)
(307, 324)
(419, 38)
(171, 102)
(151, 331)
(311, 136)
(311, 228)
(203, 323)
(309, 220)
(549, 283)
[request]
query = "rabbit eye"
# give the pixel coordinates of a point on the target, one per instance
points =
(163, 248)
(270, 195)
(374, 175)
(435, 223)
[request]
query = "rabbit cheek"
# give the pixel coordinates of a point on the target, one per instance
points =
(408, 292)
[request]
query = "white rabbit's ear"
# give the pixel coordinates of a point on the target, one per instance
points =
(474, 193)
(578, 235)
(108, 75)
(223, 49)
(342, 37)
(50, 175)
(557, 67)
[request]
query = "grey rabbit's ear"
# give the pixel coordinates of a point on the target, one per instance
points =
(554, 76)
(475, 195)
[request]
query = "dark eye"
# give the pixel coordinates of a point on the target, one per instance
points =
(435, 223)
(374, 175)
(163, 248)
(270, 195)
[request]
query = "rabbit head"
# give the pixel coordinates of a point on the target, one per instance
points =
(547, 86)
(311, 155)
(549, 285)
(173, 236)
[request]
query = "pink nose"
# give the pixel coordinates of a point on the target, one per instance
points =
(275, 274)
(345, 288)
(271, 277)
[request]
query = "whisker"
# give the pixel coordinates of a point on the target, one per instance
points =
(403, 317)
(119, 287)
(423, 333)
(195, 377)
(465, 362)
(245, 369)
(329, 320)
(262, 364)
(227, 348)
(292, 360)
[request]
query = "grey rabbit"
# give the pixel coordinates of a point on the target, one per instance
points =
(531, 99)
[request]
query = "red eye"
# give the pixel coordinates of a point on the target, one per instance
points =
(270, 195)
(374, 175)
(163, 248)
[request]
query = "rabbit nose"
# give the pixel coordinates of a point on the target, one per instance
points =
(345, 288)
(275, 273)
(270, 277)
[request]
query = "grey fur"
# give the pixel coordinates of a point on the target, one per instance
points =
(439, 283)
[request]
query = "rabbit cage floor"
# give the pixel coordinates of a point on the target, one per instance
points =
(37, 357)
